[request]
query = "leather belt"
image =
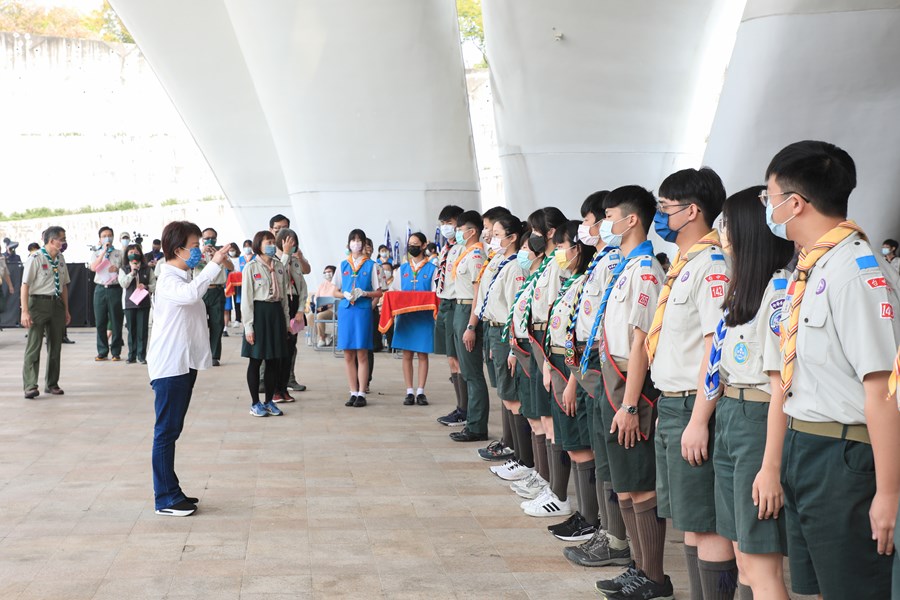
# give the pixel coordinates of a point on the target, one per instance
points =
(747, 394)
(111, 285)
(557, 350)
(214, 285)
(496, 324)
(683, 394)
(539, 326)
(461, 301)
(830, 429)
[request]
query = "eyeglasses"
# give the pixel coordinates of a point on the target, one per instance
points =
(764, 196)
(662, 207)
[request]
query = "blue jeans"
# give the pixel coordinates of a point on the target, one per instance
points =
(173, 396)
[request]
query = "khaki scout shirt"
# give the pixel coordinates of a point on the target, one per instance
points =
(256, 286)
(504, 291)
(467, 269)
(116, 258)
(847, 329)
(208, 253)
(545, 292)
(519, 328)
(693, 312)
(449, 285)
(38, 275)
(632, 303)
(296, 280)
(751, 350)
(559, 318)
(594, 286)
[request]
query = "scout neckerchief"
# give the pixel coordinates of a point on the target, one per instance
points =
(645, 248)
(571, 350)
(490, 256)
(54, 264)
(465, 253)
(442, 267)
(354, 270)
(804, 265)
(710, 239)
(504, 336)
(572, 309)
(494, 280)
(276, 292)
(415, 270)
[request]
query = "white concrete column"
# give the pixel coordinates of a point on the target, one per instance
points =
(824, 70)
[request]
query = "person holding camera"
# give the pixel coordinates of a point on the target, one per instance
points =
(214, 298)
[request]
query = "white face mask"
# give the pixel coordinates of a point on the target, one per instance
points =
(233, 254)
(329, 276)
(355, 246)
(448, 231)
(585, 237)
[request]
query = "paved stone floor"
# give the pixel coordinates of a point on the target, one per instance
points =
(324, 502)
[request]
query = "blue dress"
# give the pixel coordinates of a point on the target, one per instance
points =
(415, 331)
(355, 320)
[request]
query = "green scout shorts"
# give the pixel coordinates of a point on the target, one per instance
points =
(506, 386)
(572, 432)
(444, 339)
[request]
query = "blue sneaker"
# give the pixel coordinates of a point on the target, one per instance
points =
(272, 409)
(257, 410)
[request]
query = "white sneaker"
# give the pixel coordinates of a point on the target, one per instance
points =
(329, 339)
(515, 472)
(550, 506)
(530, 487)
(320, 344)
(539, 498)
(497, 468)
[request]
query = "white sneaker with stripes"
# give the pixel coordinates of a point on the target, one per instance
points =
(548, 505)
(496, 468)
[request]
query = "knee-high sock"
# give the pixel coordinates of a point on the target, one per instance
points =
(454, 380)
(253, 379)
(586, 490)
(273, 372)
(745, 592)
(560, 467)
(601, 502)
(651, 531)
(628, 516)
(522, 433)
(463, 393)
(506, 420)
(615, 526)
(541, 460)
(718, 579)
(693, 569)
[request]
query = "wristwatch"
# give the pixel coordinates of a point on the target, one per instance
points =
(470, 327)
(631, 410)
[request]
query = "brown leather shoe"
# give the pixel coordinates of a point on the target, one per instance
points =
(55, 390)
(32, 393)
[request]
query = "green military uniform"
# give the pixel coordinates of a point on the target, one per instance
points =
(471, 364)
(108, 310)
(48, 316)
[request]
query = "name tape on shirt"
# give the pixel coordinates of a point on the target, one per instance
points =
(877, 282)
(717, 277)
(887, 310)
(650, 277)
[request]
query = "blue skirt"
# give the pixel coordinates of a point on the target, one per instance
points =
(414, 332)
(355, 323)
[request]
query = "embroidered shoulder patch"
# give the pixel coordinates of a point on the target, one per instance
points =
(650, 277)
(887, 310)
(866, 262)
(877, 282)
(643, 299)
(717, 277)
(257, 276)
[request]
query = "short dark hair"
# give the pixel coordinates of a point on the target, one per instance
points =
(450, 212)
(471, 218)
(33, 246)
(259, 238)
(136, 248)
(702, 187)
(431, 247)
(568, 232)
(544, 219)
(157, 242)
(421, 237)
(892, 243)
(277, 218)
(210, 229)
(357, 234)
(492, 214)
(594, 204)
(662, 257)
(331, 268)
(105, 228)
(53, 232)
(175, 235)
(283, 234)
(382, 247)
(634, 200)
(756, 254)
(248, 242)
(512, 225)
(821, 173)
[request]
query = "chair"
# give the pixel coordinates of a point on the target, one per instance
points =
(323, 302)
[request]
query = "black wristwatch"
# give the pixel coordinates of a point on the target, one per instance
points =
(470, 327)
(631, 410)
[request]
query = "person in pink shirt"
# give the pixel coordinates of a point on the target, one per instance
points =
(325, 290)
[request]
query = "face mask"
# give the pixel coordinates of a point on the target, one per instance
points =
(460, 237)
(194, 259)
(448, 231)
(607, 235)
(585, 237)
(355, 246)
(233, 254)
(270, 250)
(383, 254)
(107, 240)
(777, 229)
(523, 259)
(63, 247)
(885, 251)
(248, 250)
(561, 260)
(388, 274)
(329, 276)
(661, 225)
(495, 246)
(134, 257)
(415, 251)
(209, 242)
(125, 241)
(538, 244)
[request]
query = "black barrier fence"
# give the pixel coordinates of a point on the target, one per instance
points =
(81, 295)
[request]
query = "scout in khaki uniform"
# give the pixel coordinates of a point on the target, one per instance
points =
(108, 310)
(840, 467)
(297, 291)
(496, 295)
(678, 346)
(45, 310)
(469, 331)
(444, 336)
(214, 298)
(745, 370)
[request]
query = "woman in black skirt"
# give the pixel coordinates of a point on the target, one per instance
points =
(265, 311)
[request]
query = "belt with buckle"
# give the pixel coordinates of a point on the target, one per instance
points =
(496, 324)
(539, 326)
(215, 285)
(831, 429)
(683, 394)
(747, 394)
(461, 301)
(557, 350)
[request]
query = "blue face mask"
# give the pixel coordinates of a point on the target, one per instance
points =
(194, 259)
(269, 250)
(460, 239)
(523, 259)
(777, 229)
(661, 225)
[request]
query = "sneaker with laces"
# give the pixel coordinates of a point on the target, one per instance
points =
(455, 419)
(258, 410)
(530, 487)
(272, 409)
(611, 586)
(514, 472)
(510, 462)
(596, 552)
(539, 498)
(642, 587)
(575, 516)
(549, 506)
(496, 450)
(182, 509)
(574, 530)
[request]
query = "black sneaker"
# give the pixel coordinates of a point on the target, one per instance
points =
(567, 523)
(360, 401)
(467, 436)
(611, 586)
(225, 334)
(351, 401)
(182, 509)
(578, 530)
(409, 400)
(457, 418)
(216, 362)
(643, 588)
(496, 450)
(421, 400)
(596, 552)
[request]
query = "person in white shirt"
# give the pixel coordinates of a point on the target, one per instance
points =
(179, 347)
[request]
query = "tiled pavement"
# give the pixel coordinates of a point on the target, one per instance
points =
(324, 502)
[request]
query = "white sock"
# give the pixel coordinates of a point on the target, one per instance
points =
(361, 394)
(409, 390)
(420, 392)
(352, 393)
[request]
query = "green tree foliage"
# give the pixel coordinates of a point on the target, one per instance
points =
(471, 27)
(100, 24)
